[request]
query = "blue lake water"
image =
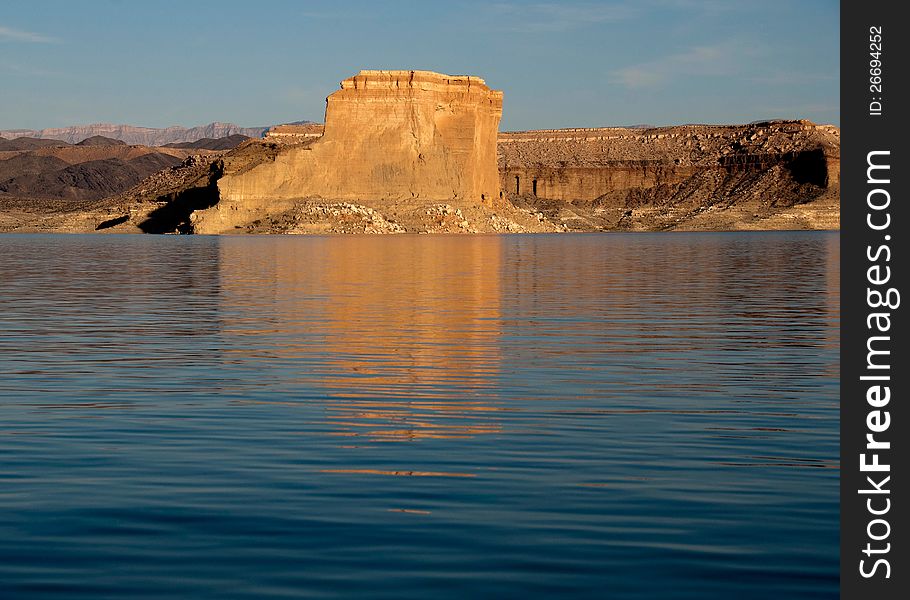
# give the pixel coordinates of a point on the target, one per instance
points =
(609, 416)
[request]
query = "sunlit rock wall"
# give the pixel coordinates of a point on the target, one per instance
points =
(389, 135)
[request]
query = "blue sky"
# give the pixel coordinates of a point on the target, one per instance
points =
(560, 64)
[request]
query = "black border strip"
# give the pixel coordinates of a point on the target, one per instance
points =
(870, 253)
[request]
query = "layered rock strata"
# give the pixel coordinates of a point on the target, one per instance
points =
(295, 131)
(396, 136)
(663, 178)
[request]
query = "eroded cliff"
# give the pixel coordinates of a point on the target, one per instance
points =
(770, 175)
(394, 136)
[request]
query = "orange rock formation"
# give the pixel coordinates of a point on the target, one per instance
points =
(389, 135)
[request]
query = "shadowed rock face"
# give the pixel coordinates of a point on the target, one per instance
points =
(690, 176)
(585, 164)
(389, 135)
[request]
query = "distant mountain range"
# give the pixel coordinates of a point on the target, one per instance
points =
(132, 134)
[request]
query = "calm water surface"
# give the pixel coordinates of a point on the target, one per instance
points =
(610, 416)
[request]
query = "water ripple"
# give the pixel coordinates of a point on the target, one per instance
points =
(655, 416)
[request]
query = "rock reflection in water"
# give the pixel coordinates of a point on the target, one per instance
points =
(400, 336)
(408, 417)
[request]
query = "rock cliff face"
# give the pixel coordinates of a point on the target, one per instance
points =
(393, 136)
(693, 176)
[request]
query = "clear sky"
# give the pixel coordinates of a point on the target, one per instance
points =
(560, 64)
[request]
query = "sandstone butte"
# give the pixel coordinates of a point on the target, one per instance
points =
(417, 151)
(392, 136)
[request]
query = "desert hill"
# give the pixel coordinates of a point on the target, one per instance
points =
(84, 181)
(89, 180)
(100, 140)
(29, 143)
(58, 173)
(28, 163)
(226, 143)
